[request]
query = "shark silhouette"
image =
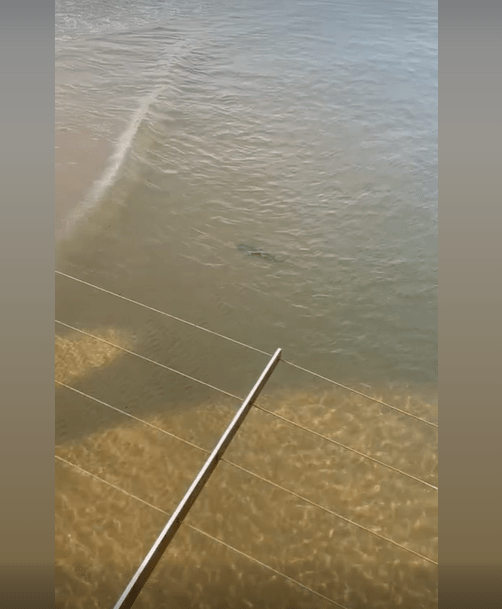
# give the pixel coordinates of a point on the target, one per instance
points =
(252, 250)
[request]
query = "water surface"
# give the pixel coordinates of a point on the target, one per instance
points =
(306, 131)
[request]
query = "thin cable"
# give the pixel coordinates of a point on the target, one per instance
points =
(147, 359)
(117, 488)
(226, 545)
(127, 414)
(237, 342)
(278, 416)
(395, 408)
(288, 491)
(262, 564)
(353, 450)
(325, 509)
(183, 321)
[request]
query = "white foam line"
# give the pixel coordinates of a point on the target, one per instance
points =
(122, 147)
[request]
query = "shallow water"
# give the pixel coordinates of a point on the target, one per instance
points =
(103, 534)
(306, 132)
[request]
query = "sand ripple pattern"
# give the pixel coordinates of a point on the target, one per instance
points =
(77, 355)
(102, 535)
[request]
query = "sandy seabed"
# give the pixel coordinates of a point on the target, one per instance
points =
(104, 528)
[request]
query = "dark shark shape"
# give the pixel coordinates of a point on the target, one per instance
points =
(252, 250)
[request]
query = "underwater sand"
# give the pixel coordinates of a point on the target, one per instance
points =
(102, 534)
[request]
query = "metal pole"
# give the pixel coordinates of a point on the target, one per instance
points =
(141, 576)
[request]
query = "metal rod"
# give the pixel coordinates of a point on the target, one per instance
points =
(141, 576)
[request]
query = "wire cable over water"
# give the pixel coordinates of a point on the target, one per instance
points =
(201, 532)
(147, 359)
(237, 342)
(345, 447)
(306, 429)
(263, 479)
